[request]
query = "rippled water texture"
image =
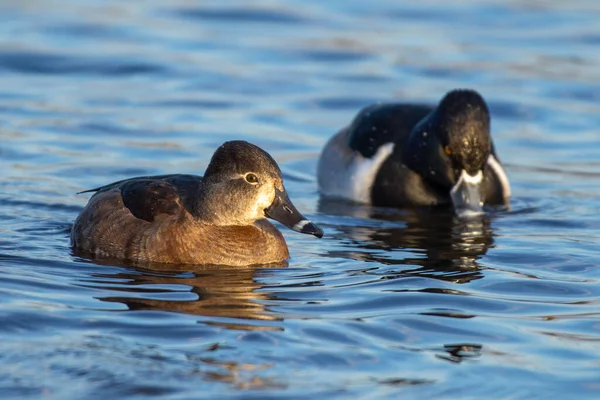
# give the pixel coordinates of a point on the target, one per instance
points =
(389, 303)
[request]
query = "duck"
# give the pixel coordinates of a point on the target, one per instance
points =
(219, 218)
(409, 155)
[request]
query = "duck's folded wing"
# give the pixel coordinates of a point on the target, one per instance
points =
(118, 183)
(149, 198)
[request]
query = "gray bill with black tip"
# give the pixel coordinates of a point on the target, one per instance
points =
(284, 211)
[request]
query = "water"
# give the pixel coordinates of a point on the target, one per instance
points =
(389, 303)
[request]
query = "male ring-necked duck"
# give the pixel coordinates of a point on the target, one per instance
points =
(404, 155)
(189, 219)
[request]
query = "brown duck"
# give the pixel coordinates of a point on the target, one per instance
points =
(216, 219)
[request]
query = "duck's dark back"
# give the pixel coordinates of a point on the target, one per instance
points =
(384, 123)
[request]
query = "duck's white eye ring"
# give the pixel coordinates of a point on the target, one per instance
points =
(251, 178)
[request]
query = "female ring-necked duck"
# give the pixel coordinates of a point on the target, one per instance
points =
(404, 155)
(189, 219)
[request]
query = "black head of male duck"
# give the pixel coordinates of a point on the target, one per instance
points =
(411, 155)
(216, 219)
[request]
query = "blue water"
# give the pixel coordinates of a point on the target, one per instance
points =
(389, 303)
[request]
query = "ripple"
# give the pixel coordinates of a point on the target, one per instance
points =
(54, 64)
(196, 104)
(243, 15)
(540, 290)
(345, 103)
(333, 55)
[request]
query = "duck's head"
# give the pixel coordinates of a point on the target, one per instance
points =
(450, 147)
(243, 184)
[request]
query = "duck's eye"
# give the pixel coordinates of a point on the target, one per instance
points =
(447, 150)
(251, 178)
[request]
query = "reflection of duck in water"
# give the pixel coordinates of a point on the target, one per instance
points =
(444, 246)
(210, 291)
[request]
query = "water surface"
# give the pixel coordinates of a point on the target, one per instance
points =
(390, 303)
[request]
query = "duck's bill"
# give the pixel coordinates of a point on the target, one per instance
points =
(466, 195)
(282, 210)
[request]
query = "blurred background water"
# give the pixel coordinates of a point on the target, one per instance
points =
(389, 303)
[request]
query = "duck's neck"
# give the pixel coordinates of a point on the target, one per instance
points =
(215, 205)
(206, 209)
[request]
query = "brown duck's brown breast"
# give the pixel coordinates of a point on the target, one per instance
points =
(106, 228)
